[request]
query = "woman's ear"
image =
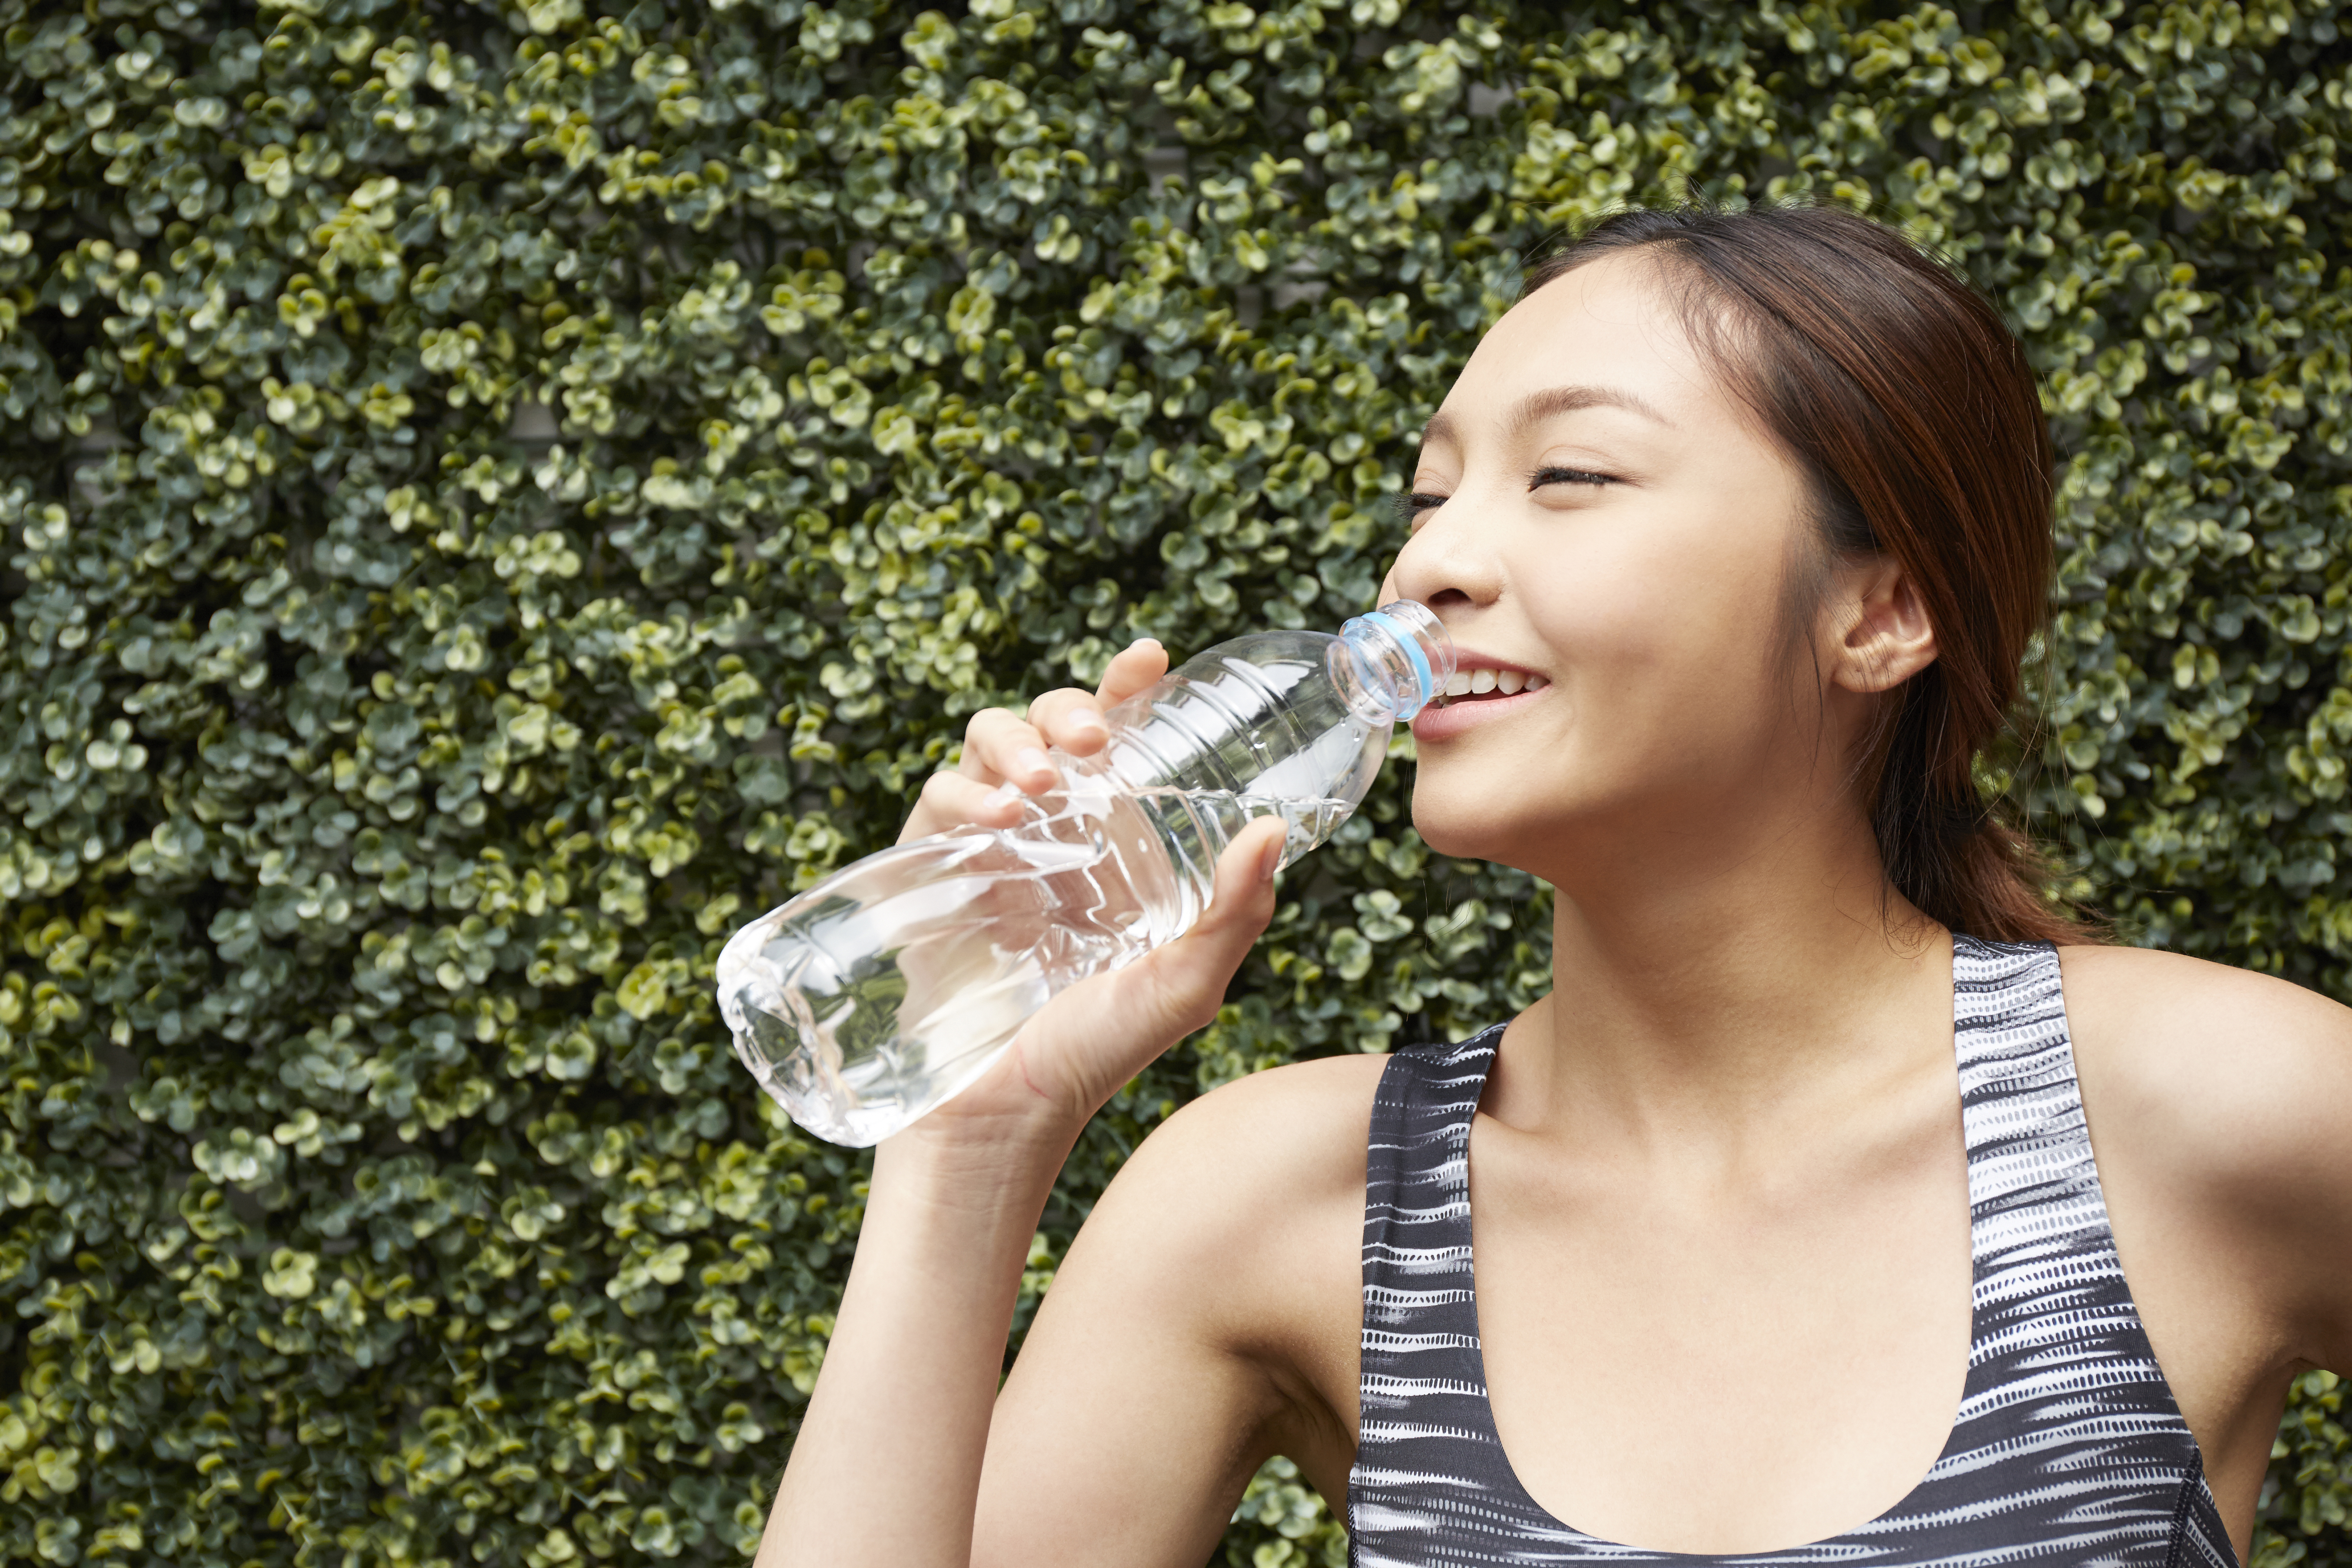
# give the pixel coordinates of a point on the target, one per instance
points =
(1887, 638)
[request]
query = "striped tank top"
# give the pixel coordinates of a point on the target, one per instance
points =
(2068, 1448)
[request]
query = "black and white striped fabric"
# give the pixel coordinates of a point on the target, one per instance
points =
(2068, 1448)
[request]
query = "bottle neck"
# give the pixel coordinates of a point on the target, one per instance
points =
(1391, 662)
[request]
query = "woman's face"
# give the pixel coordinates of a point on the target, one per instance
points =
(1594, 509)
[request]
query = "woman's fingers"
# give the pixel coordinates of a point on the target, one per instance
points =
(1136, 666)
(955, 800)
(1196, 968)
(999, 748)
(1072, 720)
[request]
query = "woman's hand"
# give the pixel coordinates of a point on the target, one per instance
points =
(1077, 1052)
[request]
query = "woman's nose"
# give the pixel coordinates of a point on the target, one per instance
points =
(1446, 562)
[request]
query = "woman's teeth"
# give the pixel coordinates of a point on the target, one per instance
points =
(1480, 682)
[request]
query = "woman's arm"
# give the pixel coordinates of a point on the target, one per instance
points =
(1206, 1317)
(2295, 1187)
(886, 1467)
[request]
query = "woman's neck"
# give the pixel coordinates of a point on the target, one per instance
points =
(1734, 997)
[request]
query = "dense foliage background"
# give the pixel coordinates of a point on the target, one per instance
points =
(501, 492)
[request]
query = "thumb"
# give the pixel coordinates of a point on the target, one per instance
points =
(1243, 901)
(1189, 975)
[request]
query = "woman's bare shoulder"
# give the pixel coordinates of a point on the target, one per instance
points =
(2202, 1043)
(2222, 1092)
(1275, 1138)
(1244, 1210)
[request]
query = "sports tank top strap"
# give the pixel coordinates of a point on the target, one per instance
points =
(2068, 1448)
(1424, 1391)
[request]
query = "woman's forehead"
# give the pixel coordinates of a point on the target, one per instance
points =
(1612, 327)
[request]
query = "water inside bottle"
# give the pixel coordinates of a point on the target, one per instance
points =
(988, 926)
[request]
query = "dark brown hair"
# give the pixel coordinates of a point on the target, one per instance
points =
(1914, 417)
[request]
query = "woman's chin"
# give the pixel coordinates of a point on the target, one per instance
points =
(1460, 831)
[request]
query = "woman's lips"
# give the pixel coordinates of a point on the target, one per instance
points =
(1438, 723)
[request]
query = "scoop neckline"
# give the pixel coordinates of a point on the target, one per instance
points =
(1852, 1533)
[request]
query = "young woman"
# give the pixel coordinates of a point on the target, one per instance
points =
(1790, 1242)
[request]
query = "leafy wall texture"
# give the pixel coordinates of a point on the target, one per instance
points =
(500, 493)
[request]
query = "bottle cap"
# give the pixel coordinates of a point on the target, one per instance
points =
(1401, 653)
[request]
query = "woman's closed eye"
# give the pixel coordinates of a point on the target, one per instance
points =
(1414, 505)
(1410, 506)
(1557, 476)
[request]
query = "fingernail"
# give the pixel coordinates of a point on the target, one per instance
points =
(1031, 760)
(1144, 642)
(1271, 861)
(1090, 722)
(1003, 793)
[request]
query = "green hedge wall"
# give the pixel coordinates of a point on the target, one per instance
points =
(498, 493)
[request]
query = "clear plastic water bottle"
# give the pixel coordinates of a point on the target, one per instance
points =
(894, 983)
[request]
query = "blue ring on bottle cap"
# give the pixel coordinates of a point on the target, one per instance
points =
(1404, 634)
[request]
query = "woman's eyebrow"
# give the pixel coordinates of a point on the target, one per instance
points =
(1539, 406)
